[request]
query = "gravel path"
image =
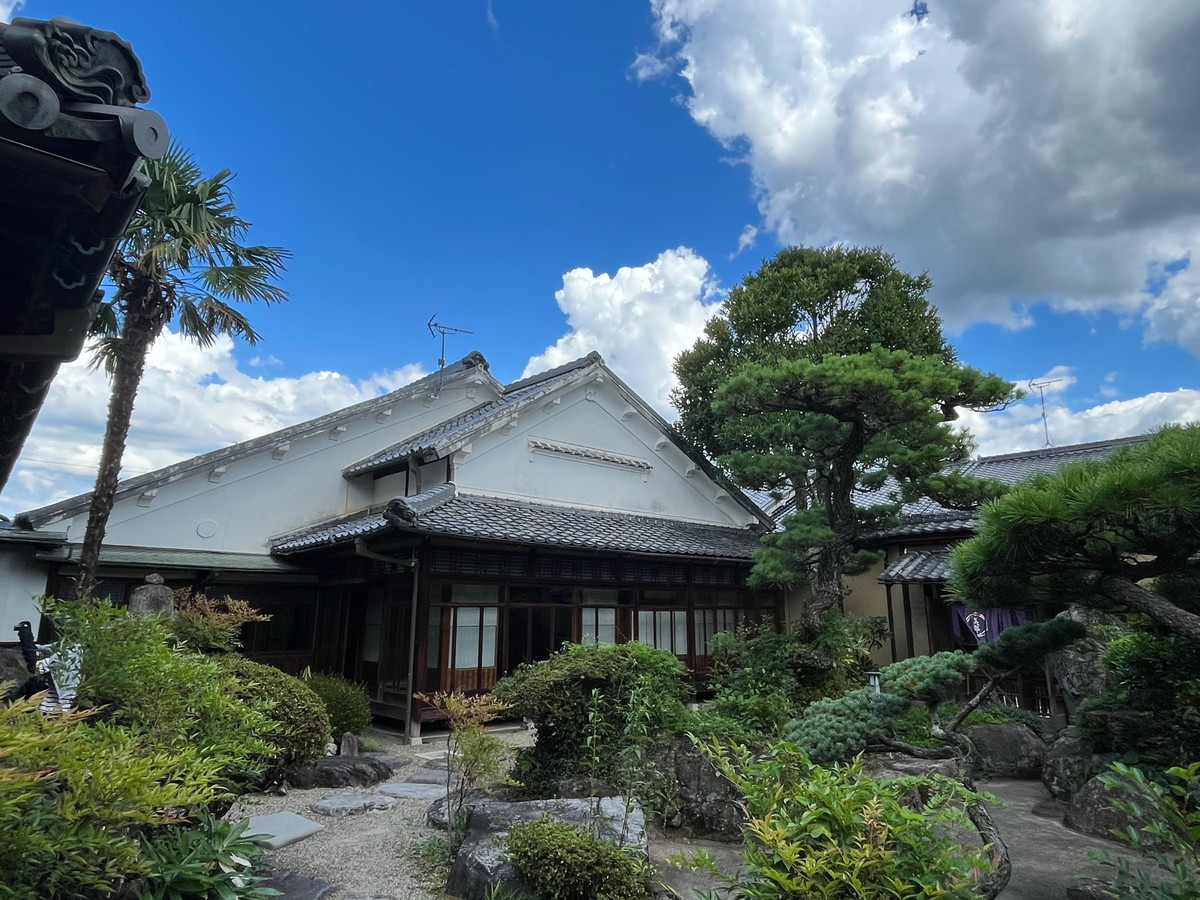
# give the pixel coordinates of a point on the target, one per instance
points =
(366, 855)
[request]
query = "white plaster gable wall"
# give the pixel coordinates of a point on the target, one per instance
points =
(594, 416)
(277, 489)
(24, 579)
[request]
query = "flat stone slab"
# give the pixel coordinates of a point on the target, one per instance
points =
(339, 805)
(403, 790)
(298, 887)
(280, 829)
(429, 776)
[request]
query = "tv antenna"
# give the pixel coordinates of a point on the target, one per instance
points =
(436, 328)
(1041, 389)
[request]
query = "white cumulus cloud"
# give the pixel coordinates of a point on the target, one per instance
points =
(8, 8)
(192, 400)
(639, 320)
(1019, 151)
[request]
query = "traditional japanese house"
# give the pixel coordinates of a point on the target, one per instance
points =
(436, 537)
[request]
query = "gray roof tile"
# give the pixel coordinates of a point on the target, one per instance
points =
(524, 522)
(918, 566)
(928, 517)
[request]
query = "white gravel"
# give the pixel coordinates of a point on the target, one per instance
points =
(366, 855)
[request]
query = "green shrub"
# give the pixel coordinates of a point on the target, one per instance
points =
(561, 862)
(582, 700)
(1170, 839)
(211, 860)
(760, 713)
(207, 624)
(297, 724)
(346, 701)
(836, 729)
(764, 677)
(76, 795)
(837, 833)
(1158, 675)
(172, 699)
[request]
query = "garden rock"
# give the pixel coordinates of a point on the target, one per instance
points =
(403, 790)
(578, 788)
(482, 862)
(704, 803)
(431, 776)
(340, 805)
(1078, 668)
(298, 887)
(345, 771)
(1010, 750)
(1088, 811)
(349, 745)
(894, 764)
(435, 816)
(1070, 762)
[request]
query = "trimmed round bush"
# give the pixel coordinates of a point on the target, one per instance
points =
(299, 723)
(346, 702)
(589, 703)
(561, 862)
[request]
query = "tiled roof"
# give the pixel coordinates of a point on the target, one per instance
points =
(523, 522)
(445, 437)
(471, 363)
(928, 517)
(918, 566)
(167, 558)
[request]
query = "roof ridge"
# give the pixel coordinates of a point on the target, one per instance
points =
(581, 363)
(1065, 450)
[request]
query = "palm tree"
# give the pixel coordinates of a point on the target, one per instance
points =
(181, 259)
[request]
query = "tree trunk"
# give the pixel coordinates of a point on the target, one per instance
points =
(1161, 610)
(136, 336)
(825, 593)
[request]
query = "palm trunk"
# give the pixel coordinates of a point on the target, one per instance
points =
(136, 335)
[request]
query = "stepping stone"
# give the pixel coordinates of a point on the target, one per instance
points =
(429, 776)
(340, 805)
(298, 887)
(280, 829)
(403, 790)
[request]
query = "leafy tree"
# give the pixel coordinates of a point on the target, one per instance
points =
(1120, 534)
(825, 374)
(181, 260)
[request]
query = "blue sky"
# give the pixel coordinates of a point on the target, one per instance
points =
(558, 178)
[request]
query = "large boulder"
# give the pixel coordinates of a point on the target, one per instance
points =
(1069, 762)
(345, 771)
(702, 803)
(1089, 811)
(895, 764)
(482, 861)
(1078, 668)
(1009, 750)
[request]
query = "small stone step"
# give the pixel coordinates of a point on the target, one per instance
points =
(339, 805)
(429, 776)
(280, 829)
(404, 790)
(298, 887)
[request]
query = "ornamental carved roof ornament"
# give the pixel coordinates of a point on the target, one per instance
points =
(80, 64)
(72, 142)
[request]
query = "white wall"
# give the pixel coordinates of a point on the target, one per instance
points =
(238, 510)
(594, 415)
(24, 579)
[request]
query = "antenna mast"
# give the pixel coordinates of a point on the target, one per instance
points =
(1041, 386)
(436, 328)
